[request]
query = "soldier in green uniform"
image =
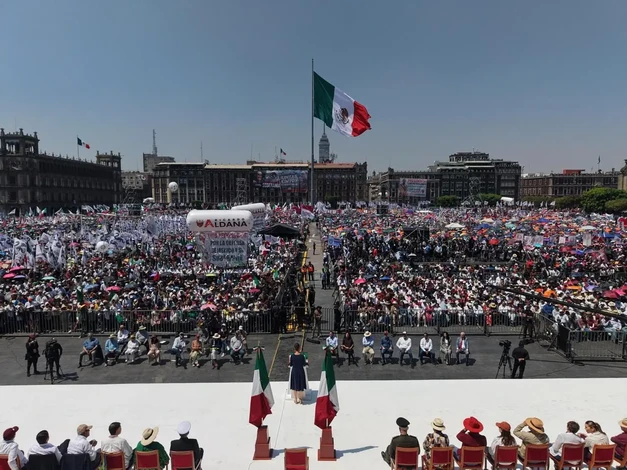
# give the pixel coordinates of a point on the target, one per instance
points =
(402, 440)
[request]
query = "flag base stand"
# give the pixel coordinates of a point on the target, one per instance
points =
(262, 445)
(327, 449)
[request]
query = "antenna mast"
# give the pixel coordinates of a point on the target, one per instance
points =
(154, 143)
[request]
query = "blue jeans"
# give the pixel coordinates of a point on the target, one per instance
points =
(237, 355)
(411, 357)
(386, 352)
(424, 354)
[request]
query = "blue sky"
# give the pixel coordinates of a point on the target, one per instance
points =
(536, 81)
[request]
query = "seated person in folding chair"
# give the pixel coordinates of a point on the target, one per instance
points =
(178, 348)
(132, 350)
(331, 343)
(92, 349)
(186, 444)
(111, 351)
(80, 446)
(154, 353)
(437, 438)
(237, 348)
(504, 439)
(143, 338)
(12, 450)
(148, 444)
(43, 447)
(403, 440)
(404, 346)
(116, 444)
(348, 347)
(387, 349)
(367, 342)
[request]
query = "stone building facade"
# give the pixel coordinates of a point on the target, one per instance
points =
(274, 183)
(30, 179)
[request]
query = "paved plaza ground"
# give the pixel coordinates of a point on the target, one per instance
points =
(485, 356)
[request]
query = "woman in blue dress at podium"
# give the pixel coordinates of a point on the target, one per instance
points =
(298, 381)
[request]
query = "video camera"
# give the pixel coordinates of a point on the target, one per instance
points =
(52, 350)
(506, 345)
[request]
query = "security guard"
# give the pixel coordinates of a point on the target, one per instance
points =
(403, 440)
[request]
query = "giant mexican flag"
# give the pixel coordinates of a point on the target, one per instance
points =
(339, 111)
(327, 403)
(261, 400)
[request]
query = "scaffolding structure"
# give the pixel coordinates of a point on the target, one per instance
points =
(241, 195)
(474, 186)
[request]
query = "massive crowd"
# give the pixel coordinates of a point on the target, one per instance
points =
(92, 273)
(390, 275)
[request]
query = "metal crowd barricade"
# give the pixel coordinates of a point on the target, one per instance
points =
(156, 321)
(593, 345)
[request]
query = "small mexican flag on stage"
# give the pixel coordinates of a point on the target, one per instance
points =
(337, 110)
(261, 400)
(327, 403)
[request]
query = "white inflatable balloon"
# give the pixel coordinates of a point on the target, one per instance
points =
(257, 209)
(173, 187)
(220, 221)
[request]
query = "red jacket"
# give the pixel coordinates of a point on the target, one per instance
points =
(621, 442)
(471, 439)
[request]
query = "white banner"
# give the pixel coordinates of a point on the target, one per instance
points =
(225, 249)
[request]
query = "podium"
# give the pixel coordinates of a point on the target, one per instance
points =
(262, 445)
(326, 452)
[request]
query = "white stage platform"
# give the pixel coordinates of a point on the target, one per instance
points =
(364, 427)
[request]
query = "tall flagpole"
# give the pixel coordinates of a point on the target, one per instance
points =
(311, 178)
(78, 152)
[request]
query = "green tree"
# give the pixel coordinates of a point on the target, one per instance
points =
(568, 202)
(491, 198)
(616, 206)
(595, 199)
(447, 201)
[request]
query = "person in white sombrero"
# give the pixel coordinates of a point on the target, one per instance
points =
(437, 438)
(368, 352)
(148, 444)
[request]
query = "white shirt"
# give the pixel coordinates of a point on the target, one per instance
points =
(80, 445)
(11, 449)
(114, 444)
(45, 449)
(179, 343)
(404, 344)
(332, 342)
(596, 438)
(498, 441)
(426, 344)
(122, 336)
(564, 438)
(132, 346)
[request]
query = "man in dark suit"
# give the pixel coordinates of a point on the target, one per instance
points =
(185, 443)
(402, 440)
(521, 356)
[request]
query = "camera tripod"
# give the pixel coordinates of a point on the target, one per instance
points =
(50, 370)
(505, 359)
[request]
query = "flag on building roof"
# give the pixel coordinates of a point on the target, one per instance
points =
(80, 143)
(327, 403)
(337, 110)
(261, 400)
